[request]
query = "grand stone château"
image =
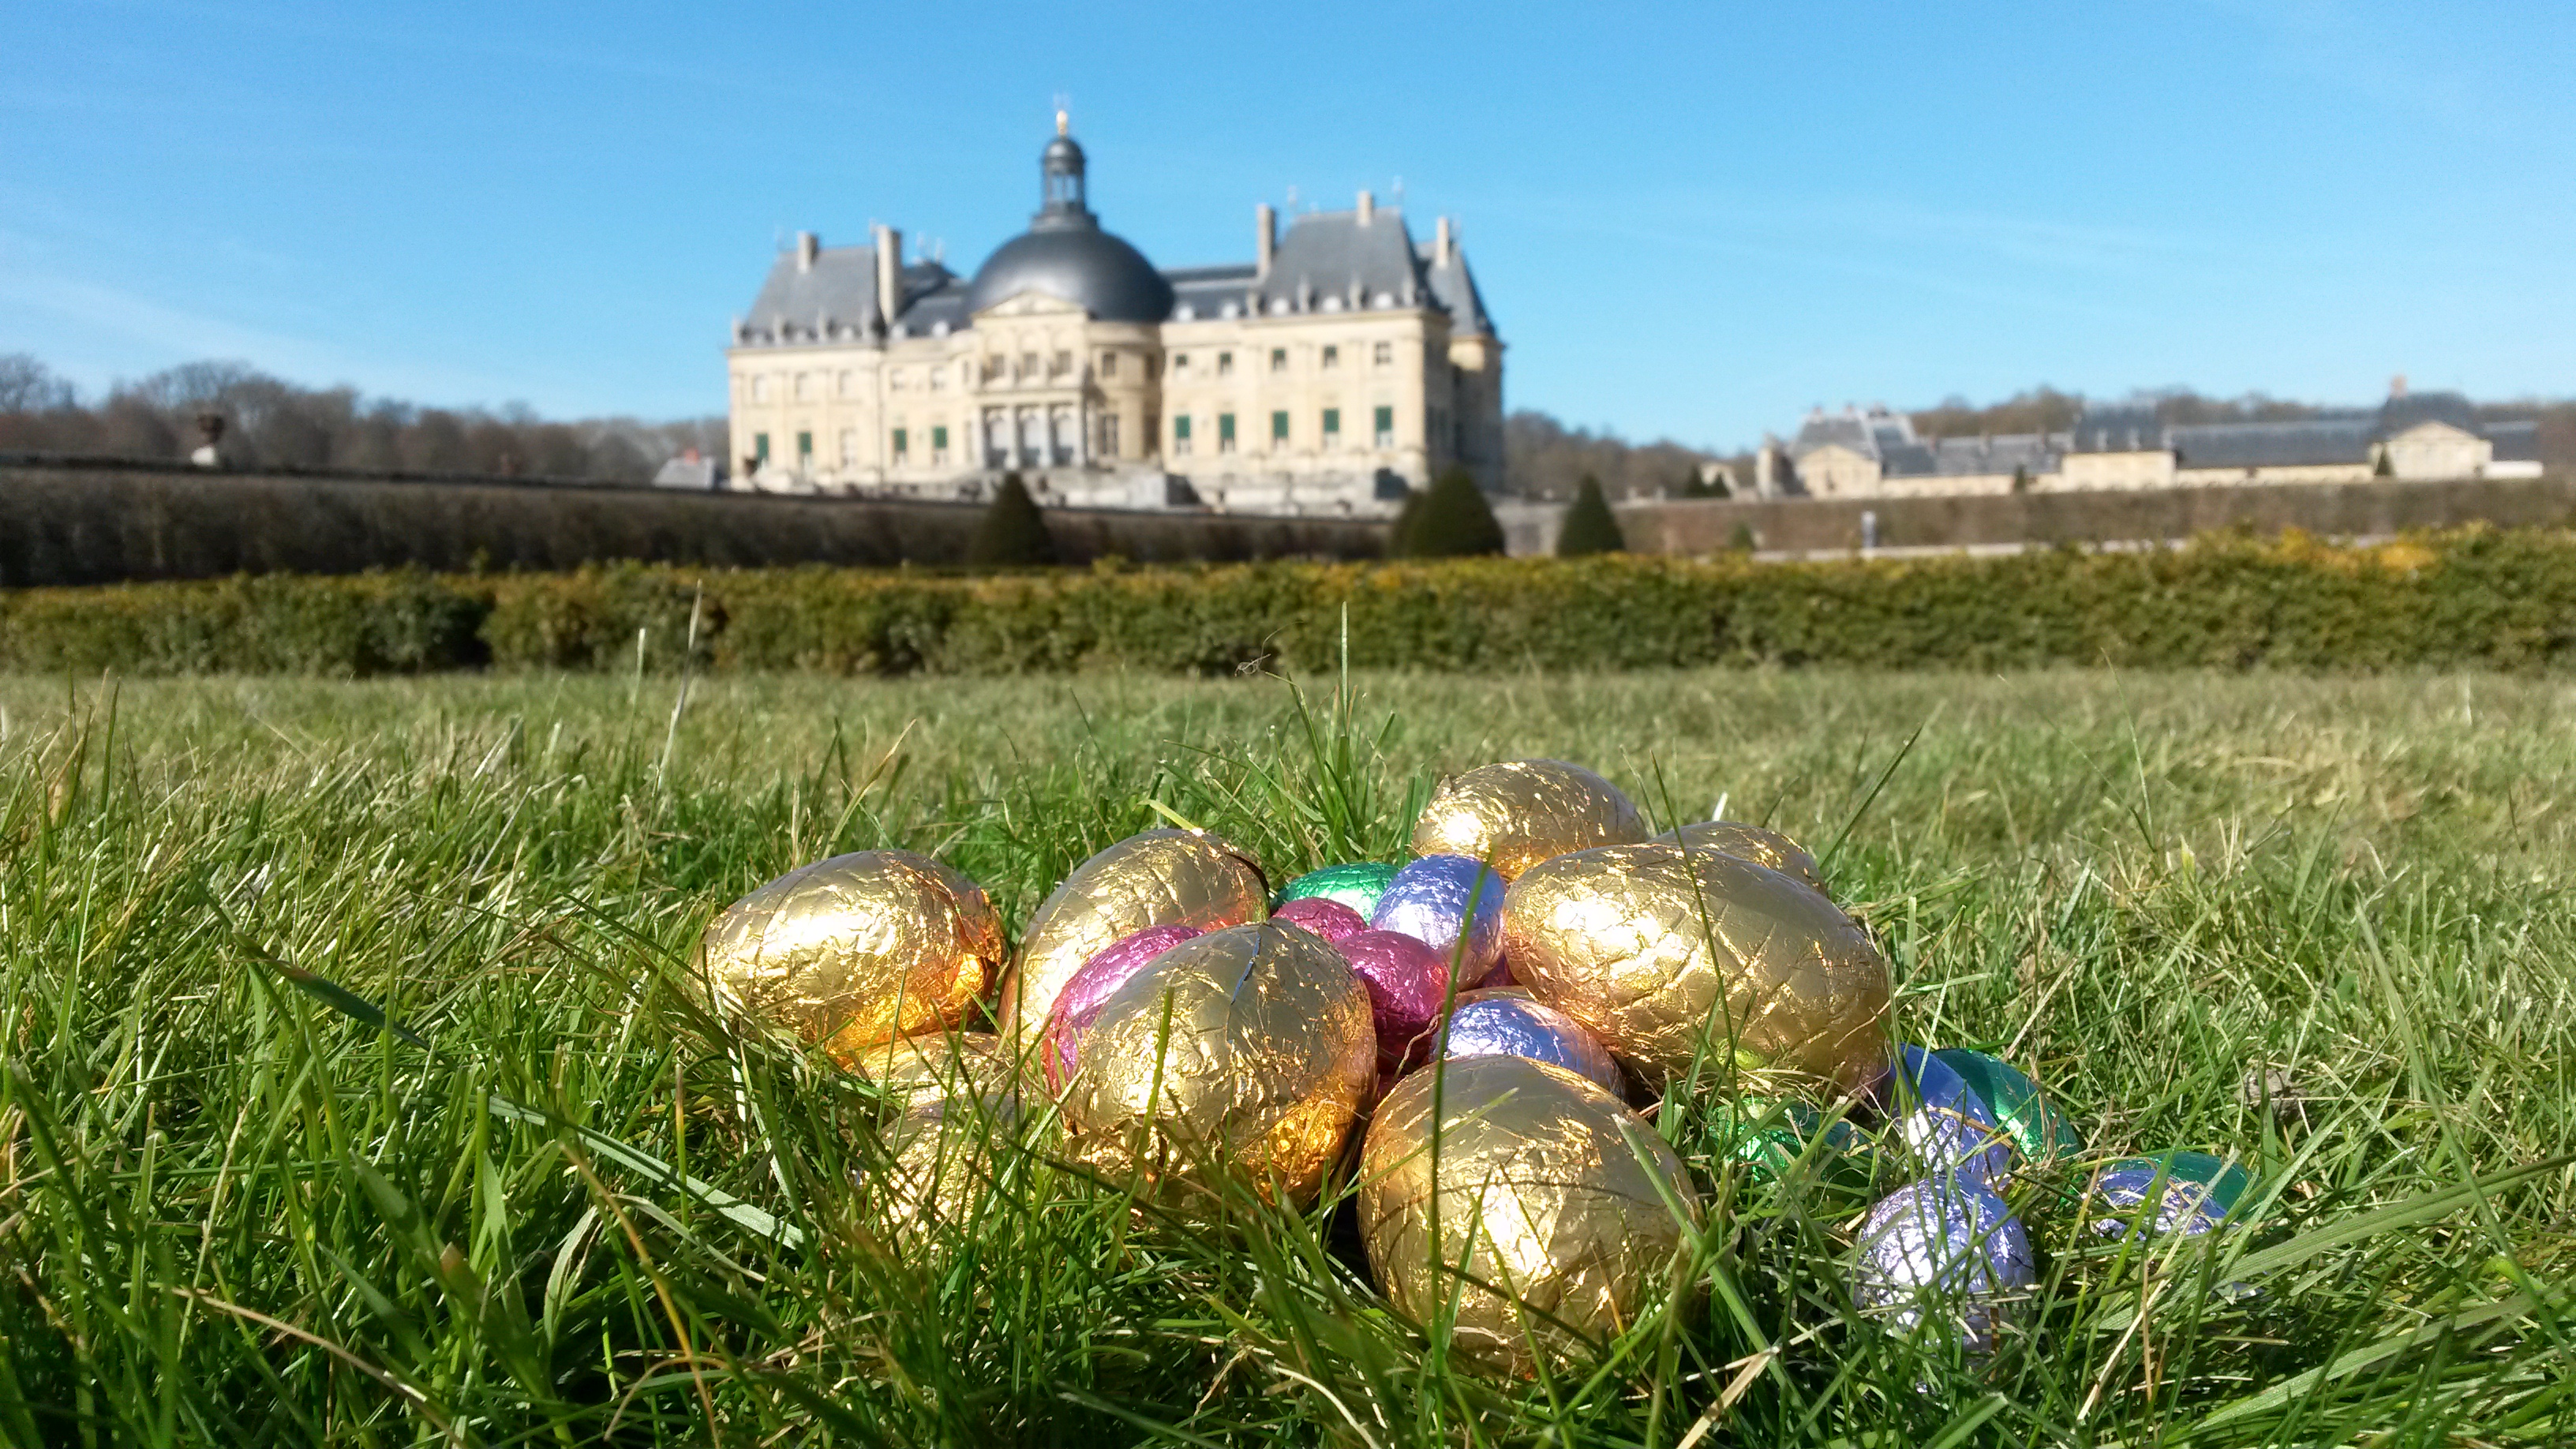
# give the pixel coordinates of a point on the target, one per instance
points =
(1343, 365)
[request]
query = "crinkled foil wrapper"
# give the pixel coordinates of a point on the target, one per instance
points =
(1159, 878)
(855, 951)
(1245, 1051)
(1750, 842)
(2195, 1193)
(1515, 814)
(1945, 1250)
(960, 1117)
(1550, 1193)
(1508, 1021)
(1944, 1124)
(2038, 1130)
(1662, 954)
(1356, 885)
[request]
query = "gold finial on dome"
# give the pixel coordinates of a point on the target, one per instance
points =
(1061, 121)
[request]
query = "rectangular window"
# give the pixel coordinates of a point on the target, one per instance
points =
(1332, 356)
(804, 446)
(1384, 354)
(849, 383)
(1180, 435)
(939, 379)
(1109, 364)
(1028, 364)
(894, 379)
(1278, 429)
(760, 389)
(1180, 364)
(849, 447)
(1386, 427)
(1224, 431)
(1332, 427)
(1109, 435)
(760, 446)
(1062, 364)
(1279, 359)
(1225, 364)
(900, 444)
(939, 445)
(804, 386)
(992, 368)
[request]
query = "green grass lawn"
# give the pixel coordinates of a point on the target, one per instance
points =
(234, 1212)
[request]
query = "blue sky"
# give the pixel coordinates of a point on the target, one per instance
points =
(1690, 220)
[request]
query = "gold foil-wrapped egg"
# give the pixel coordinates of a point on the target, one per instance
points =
(1159, 878)
(1551, 1194)
(855, 951)
(1663, 955)
(935, 1062)
(1515, 814)
(1749, 842)
(1245, 1050)
(954, 1131)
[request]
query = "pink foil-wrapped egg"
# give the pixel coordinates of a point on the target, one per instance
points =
(1331, 920)
(1060, 1045)
(1407, 983)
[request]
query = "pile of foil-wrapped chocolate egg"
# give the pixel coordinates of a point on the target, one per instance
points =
(1464, 1039)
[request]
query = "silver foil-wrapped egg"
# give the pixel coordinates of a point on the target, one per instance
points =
(1944, 1253)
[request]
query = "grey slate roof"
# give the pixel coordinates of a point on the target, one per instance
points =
(2117, 428)
(2400, 413)
(2306, 442)
(1844, 429)
(837, 296)
(2515, 442)
(1328, 260)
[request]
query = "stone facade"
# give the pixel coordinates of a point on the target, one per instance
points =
(2123, 448)
(1344, 365)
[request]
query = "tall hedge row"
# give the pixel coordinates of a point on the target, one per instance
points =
(2500, 599)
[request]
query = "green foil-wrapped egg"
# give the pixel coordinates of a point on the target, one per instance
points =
(1749, 842)
(855, 951)
(1772, 1136)
(1550, 1213)
(1246, 1051)
(2036, 1128)
(1357, 885)
(1672, 958)
(1159, 878)
(1515, 814)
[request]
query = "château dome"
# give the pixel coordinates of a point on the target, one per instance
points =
(1064, 254)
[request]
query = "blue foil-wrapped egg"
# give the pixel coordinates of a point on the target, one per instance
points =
(1943, 1122)
(1510, 1023)
(1430, 900)
(1945, 1252)
(2194, 1193)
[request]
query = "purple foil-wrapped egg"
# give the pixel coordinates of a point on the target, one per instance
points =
(1407, 983)
(1944, 1123)
(1060, 1046)
(1429, 899)
(1510, 1023)
(1331, 920)
(1947, 1249)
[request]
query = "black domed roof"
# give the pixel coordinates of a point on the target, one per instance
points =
(1083, 265)
(1064, 253)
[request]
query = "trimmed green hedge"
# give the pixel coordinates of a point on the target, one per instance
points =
(2497, 599)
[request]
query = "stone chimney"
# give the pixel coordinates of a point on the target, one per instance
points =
(1265, 238)
(889, 274)
(807, 244)
(2397, 386)
(1443, 244)
(1368, 208)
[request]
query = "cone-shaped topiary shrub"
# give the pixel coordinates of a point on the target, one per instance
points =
(1452, 520)
(1589, 526)
(1014, 532)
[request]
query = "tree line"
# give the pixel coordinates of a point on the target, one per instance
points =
(270, 423)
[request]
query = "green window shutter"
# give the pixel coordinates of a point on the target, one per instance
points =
(760, 446)
(1278, 427)
(1181, 427)
(1386, 420)
(804, 445)
(939, 439)
(898, 442)
(1332, 421)
(1225, 427)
